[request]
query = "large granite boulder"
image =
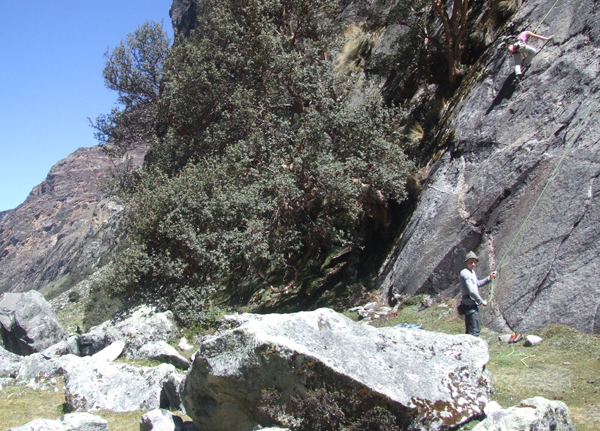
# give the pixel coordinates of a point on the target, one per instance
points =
(427, 380)
(70, 422)
(499, 148)
(92, 385)
(536, 413)
(28, 323)
(39, 367)
(136, 329)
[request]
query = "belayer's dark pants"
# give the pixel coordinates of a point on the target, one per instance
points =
(472, 321)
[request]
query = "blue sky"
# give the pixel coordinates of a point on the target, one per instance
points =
(51, 81)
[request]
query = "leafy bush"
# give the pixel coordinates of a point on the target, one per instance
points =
(134, 70)
(269, 159)
(325, 410)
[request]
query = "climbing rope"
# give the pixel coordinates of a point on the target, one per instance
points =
(545, 16)
(550, 178)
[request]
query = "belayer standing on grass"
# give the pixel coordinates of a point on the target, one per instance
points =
(523, 53)
(471, 300)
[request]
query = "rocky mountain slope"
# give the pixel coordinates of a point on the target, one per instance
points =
(64, 226)
(517, 181)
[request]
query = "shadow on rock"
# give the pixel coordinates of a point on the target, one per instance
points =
(506, 92)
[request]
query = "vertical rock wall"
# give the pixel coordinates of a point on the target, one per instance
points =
(506, 138)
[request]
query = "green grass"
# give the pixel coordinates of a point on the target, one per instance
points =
(20, 405)
(565, 366)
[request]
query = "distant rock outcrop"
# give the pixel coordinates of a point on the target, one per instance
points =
(500, 145)
(27, 323)
(426, 380)
(65, 225)
(183, 15)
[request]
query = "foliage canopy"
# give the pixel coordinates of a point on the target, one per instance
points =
(134, 70)
(265, 158)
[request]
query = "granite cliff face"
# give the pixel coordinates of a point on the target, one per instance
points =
(502, 143)
(64, 226)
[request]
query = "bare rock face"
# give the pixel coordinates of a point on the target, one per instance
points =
(27, 323)
(64, 226)
(495, 188)
(427, 380)
(183, 15)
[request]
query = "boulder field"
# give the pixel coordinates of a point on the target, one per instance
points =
(276, 371)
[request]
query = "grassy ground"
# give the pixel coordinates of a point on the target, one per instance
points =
(20, 405)
(565, 366)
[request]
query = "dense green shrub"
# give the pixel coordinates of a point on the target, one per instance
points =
(267, 158)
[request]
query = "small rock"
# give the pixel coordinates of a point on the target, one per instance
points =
(532, 340)
(491, 408)
(363, 314)
(353, 309)
(83, 421)
(505, 338)
(184, 344)
(160, 420)
(566, 363)
(110, 353)
(371, 306)
(163, 352)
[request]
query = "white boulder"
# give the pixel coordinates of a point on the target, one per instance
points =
(532, 340)
(137, 328)
(427, 380)
(163, 352)
(185, 345)
(92, 385)
(27, 323)
(536, 413)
